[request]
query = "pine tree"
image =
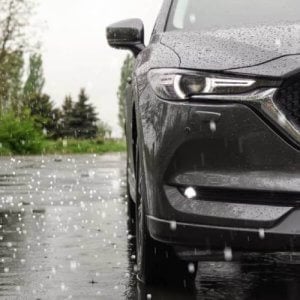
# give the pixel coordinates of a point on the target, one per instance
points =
(54, 126)
(126, 72)
(84, 118)
(42, 110)
(35, 81)
(68, 105)
(39, 104)
(11, 72)
(67, 114)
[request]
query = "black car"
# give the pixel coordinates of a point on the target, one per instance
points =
(213, 132)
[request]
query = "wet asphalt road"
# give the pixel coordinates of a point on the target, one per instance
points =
(64, 235)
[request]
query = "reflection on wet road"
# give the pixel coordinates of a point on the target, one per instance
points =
(64, 235)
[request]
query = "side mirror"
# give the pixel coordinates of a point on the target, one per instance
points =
(127, 34)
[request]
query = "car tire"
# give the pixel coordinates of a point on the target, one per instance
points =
(157, 263)
(131, 215)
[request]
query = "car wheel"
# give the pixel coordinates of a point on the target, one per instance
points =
(157, 262)
(130, 207)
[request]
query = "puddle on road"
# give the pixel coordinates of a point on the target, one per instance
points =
(63, 234)
(253, 278)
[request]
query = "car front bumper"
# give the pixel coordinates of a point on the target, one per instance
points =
(228, 151)
(283, 237)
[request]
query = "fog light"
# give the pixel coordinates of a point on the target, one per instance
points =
(190, 193)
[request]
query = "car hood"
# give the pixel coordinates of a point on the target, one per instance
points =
(234, 48)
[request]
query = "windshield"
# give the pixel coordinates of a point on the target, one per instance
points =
(195, 15)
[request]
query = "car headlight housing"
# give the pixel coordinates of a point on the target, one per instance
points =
(176, 84)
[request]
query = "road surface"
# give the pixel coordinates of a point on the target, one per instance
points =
(64, 235)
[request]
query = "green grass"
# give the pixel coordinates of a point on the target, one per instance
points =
(70, 147)
(4, 151)
(83, 146)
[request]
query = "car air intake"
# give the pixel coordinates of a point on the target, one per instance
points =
(245, 196)
(288, 99)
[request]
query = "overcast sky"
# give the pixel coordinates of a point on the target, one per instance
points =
(75, 51)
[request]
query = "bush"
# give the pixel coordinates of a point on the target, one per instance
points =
(19, 135)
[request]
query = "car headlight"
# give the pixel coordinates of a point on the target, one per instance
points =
(175, 84)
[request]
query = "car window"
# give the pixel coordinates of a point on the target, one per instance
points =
(203, 14)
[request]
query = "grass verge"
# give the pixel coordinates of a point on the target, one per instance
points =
(83, 146)
(4, 151)
(72, 147)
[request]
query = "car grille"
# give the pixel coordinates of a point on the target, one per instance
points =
(288, 99)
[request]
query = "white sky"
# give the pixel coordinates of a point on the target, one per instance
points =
(75, 51)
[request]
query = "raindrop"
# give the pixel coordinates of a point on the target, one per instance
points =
(149, 296)
(173, 225)
(190, 193)
(228, 254)
(262, 234)
(193, 18)
(73, 265)
(213, 126)
(278, 43)
(191, 268)
(63, 287)
(91, 174)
